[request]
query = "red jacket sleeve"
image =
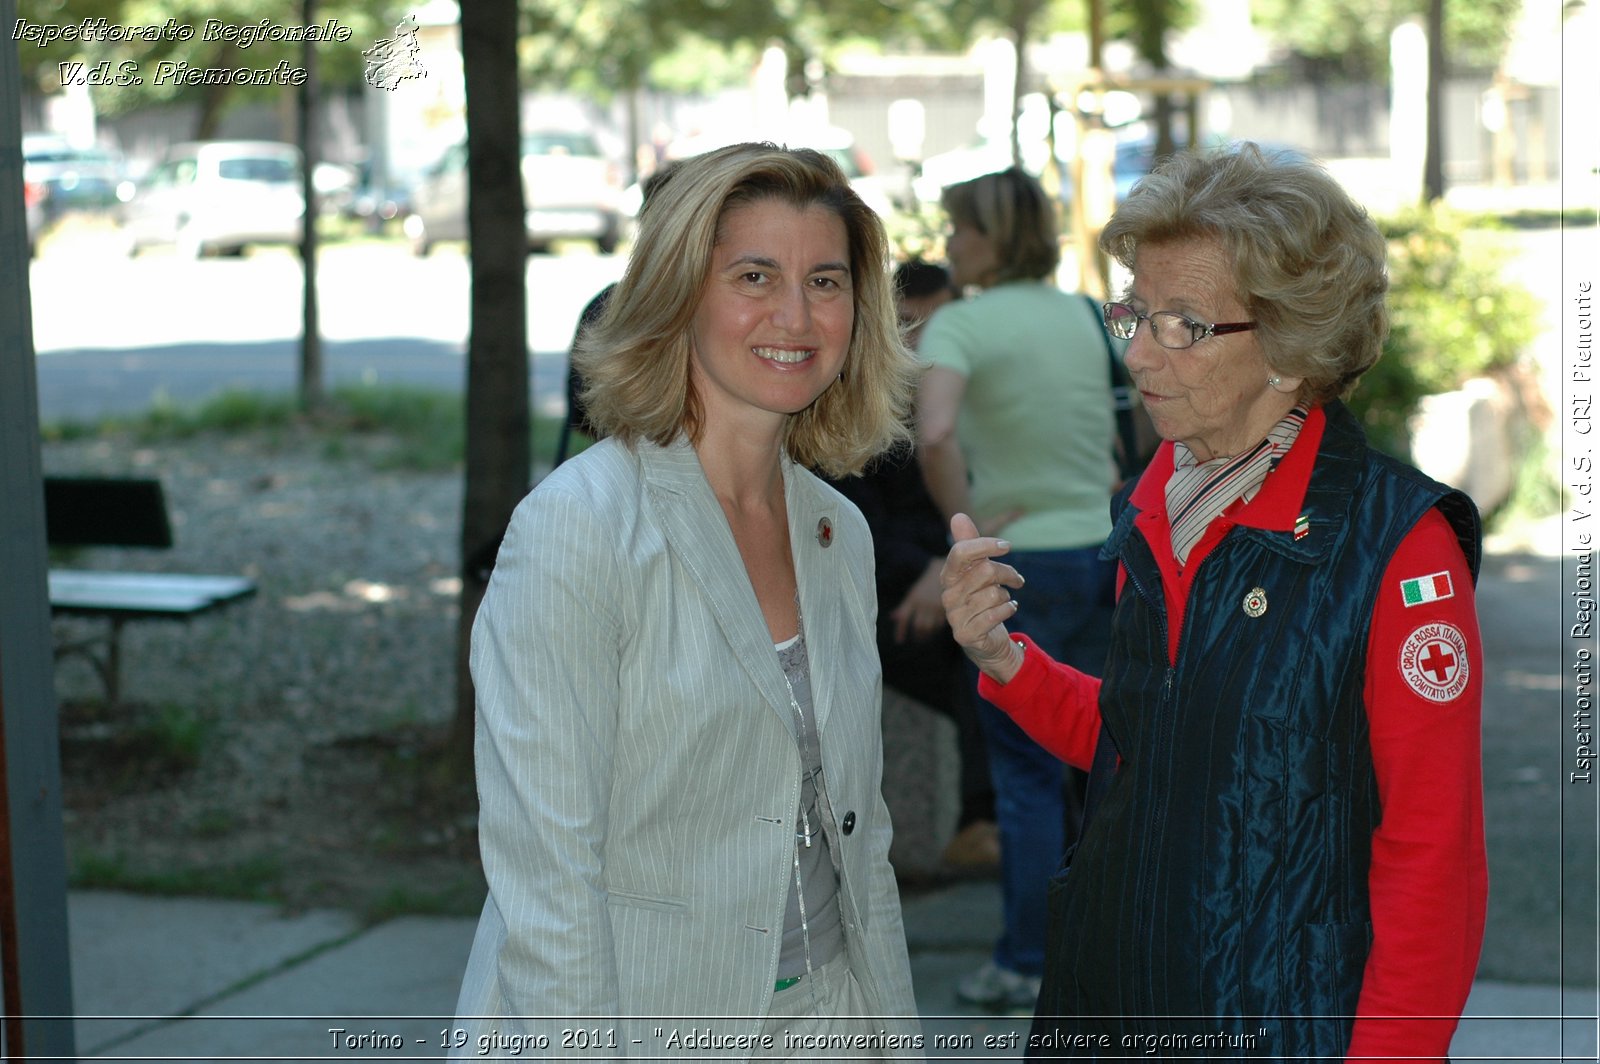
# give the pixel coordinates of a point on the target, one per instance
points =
(1058, 706)
(1429, 877)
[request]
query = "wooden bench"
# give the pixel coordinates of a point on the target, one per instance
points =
(121, 512)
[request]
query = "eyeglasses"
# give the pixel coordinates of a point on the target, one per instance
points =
(1171, 329)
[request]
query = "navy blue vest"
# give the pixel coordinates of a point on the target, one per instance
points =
(1220, 890)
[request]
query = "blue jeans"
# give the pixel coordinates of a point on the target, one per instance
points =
(1065, 608)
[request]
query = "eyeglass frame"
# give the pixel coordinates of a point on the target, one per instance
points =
(1198, 330)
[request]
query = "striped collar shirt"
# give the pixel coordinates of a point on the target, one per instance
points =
(1199, 492)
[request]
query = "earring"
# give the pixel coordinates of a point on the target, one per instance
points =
(1274, 381)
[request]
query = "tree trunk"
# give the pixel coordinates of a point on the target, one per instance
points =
(635, 134)
(311, 392)
(497, 402)
(1021, 28)
(1093, 267)
(1166, 142)
(1152, 19)
(215, 95)
(1433, 159)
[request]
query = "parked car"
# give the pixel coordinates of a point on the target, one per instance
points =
(69, 178)
(375, 203)
(570, 190)
(33, 214)
(217, 197)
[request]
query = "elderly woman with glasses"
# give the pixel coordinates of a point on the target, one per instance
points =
(1283, 853)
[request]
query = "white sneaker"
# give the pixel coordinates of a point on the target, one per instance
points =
(999, 989)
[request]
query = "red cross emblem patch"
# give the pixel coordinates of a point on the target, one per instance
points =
(1433, 661)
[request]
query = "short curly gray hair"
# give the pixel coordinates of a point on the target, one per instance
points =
(1308, 262)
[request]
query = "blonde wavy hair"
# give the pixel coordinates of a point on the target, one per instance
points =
(1308, 262)
(635, 361)
(1013, 210)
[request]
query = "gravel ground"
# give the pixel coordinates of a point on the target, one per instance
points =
(282, 747)
(288, 747)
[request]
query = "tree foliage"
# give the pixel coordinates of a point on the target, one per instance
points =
(1145, 24)
(1453, 316)
(1350, 38)
(607, 46)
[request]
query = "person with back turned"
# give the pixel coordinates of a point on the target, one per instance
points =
(1015, 427)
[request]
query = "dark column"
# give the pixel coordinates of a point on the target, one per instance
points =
(34, 971)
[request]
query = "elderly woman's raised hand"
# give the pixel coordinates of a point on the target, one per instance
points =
(976, 602)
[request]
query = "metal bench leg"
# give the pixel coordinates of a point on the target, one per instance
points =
(113, 669)
(107, 664)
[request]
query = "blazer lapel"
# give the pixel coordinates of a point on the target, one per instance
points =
(819, 568)
(697, 529)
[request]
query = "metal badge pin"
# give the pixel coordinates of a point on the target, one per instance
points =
(1302, 527)
(825, 532)
(1255, 602)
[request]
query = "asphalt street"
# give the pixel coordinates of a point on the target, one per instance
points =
(114, 334)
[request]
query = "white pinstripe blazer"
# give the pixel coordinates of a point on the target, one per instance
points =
(637, 769)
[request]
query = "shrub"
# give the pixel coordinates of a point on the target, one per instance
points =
(1453, 317)
(388, 426)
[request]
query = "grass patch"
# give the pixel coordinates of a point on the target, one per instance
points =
(1571, 218)
(232, 411)
(387, 426)
(421, 429)
(114, 757)
(214, 824)
(177, 734)
(254, 879)
(461, 898)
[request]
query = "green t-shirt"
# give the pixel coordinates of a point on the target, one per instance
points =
(1036, 422)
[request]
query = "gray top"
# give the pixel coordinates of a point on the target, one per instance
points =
(812, 916)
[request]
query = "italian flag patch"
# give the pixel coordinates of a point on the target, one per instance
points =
(1430, 588)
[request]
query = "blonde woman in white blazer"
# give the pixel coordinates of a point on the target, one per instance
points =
(679, 753)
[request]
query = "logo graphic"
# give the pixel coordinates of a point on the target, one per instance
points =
(1430, 588)
(1433, 662)
(395, 59)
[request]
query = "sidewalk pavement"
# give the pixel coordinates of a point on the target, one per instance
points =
(196, 979)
